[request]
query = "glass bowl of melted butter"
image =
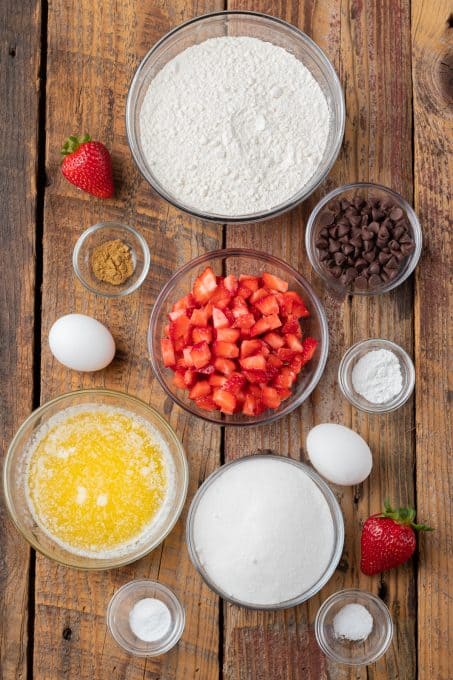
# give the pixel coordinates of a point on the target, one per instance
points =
(95, 479)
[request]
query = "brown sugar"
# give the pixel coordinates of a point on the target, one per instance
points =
(112, 262)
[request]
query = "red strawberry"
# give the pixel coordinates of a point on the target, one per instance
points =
(388, 539)
(88, 166)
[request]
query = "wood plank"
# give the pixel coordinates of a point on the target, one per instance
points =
(99, 45)
(20, 28)
(359, 39)
(432, 63)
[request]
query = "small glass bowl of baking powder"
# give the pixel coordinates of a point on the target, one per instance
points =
(145, 618)
(353, 627)
(102, 234)
(376, 376)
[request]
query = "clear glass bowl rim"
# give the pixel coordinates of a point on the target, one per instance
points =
(323, 611)
(414, 221)
(317, 178)
(111, 225)
(337, 518)
(238, 252)
(176, 633)
(114, 562)
(349, 355)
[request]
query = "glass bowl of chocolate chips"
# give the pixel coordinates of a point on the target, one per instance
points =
(363, 239)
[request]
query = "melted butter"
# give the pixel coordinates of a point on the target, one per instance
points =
(96, 479)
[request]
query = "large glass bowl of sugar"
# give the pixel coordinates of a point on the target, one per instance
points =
(271, 31)
(265, 532)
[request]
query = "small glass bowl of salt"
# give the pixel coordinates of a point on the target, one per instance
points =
(376, 376)
(145, 618)
(353, 627)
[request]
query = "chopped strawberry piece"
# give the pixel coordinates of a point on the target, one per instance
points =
(283, 392)
(296, 363)
(217, 380)
(258, 295)
(293, 342)
(249, 406)
(186, 302)
(225, 366)
(199, 317)
(204, 286)
(190, 377)
(228, 350)
(168, 353)
(180, 328)
(244, 292)
(274, 361)
(245, 321)
(178, 380)
(231, 284)
(273, 282)
(285, 378)
(167, 330)
(235, 382)
(229, 315)
(245, 333)
(254, 363)
(250, 282)
(221, 297)
(206, 370)
(202, 335)
(310, 345)
(295, 305)
(256, 377)
(285, 354)
(274, 340)
(186, 352)
(176, 314)
(292, 326)
(268, 305)
(200, 354)
(239, 307)
(201, 389)
(206, 403)
(266, 323)
(249, 347)
(224, 400)
(228, 334)
(219, 319)
(270, 397)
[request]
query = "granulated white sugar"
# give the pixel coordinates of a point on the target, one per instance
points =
(234, 125)
(263, 531)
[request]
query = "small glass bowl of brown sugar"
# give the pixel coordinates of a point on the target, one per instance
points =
(111, 259)
(363, 239)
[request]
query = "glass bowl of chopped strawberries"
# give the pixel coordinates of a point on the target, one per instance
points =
(238, 337)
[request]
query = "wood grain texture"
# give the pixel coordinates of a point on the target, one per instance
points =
(432, 47)
(20, 30)
(93, 48)
(374, 70)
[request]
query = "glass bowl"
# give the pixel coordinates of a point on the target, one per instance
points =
(97, 235)
(15, 470)
(337, 519)
(368, 191)
(118, 617)
(359, 350)
(237, 23)
(354, 653)
(239, 261)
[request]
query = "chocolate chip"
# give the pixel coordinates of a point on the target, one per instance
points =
(370, 256)
(334, 246)
(367, 235)
(343, 229)
(407, 248)
(322, 243)
(393, 273)
(344, 239)
(374, 268)
(326, 217)
(392, 263)
(324, 233)
(344, 203)
(374, 281)
(368, 246)
(373, 227)
(398, 231)
(323, 255)
(405, 238)
(360, 264)
(364, 220)
(349, 275)
(394, 245)
(333, 231)
(361, 282)
(336, 271)
(396, 214)
(339, 258)
(347, 249)
(358, 202)
(357, 242)
(355, 220)
(335, 207)
(351, 211)
(377, 214)
(384, 277)
(383, 233)
(384, 257)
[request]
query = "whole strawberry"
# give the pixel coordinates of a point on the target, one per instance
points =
(388, 539)
(88, 166)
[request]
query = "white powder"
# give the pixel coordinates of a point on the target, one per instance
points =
(263, 531)
(234, 126)
(150, 619)
(353, 622)
(377, 376)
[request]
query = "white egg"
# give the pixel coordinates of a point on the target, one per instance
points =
(81, 343)
(339, 454)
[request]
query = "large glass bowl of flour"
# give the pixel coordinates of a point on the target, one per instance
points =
(235, 117)
(265, 532)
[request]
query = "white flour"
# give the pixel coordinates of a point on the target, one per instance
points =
(263, 531)
(234, 126)
(377, 376)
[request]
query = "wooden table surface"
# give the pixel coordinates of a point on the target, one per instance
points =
(65, 68)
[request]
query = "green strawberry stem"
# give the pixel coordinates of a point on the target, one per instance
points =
(403, 516)
(72, 144)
